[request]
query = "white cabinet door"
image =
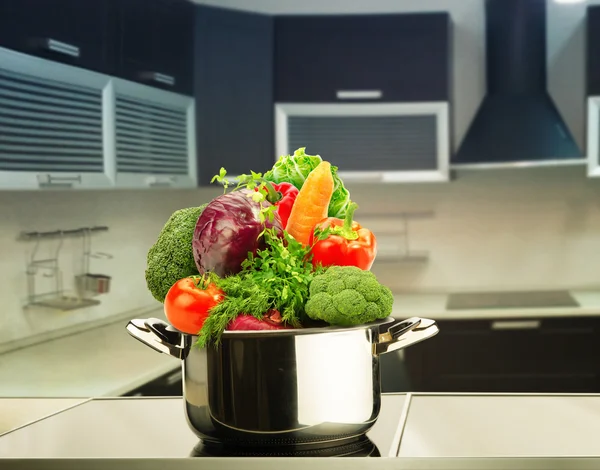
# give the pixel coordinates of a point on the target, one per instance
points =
(155, 141)
(52, 125)
(379, 142)
(593, 136)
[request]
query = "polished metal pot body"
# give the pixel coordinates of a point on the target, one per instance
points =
(285, 386)
(278, 387)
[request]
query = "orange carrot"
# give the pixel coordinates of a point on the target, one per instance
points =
(312, 203)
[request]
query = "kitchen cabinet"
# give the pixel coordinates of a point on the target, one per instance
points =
(69, 31)
(51, 124)
(63, 126)
(234, 92)
(593, 90)
(396, 58)
(149, 42)
(592, 56)
(548, 355)
(154, 136)
(155, 43)
(347, 86)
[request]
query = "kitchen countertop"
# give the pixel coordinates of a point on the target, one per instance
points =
(434, 306)
(414, 431)
(17, 412)
(104, 361)
(501, 425)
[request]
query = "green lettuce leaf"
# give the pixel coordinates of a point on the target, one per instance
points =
(295, 168)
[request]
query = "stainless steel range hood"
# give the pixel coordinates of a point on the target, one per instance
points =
(517, 119)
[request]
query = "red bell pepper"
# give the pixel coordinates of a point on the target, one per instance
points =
(343, 242)
(283, 196)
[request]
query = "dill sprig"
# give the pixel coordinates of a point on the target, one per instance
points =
(276, 277)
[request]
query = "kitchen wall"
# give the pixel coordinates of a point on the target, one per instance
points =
(134, 219)
(565, 48)
(500, 229)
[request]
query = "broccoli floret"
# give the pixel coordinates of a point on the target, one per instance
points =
(171, 258)
(347, 296)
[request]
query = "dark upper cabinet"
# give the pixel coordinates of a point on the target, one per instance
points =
(234, 92)
(592, 54)
(397, 57)
(75, 32)
(155, 43)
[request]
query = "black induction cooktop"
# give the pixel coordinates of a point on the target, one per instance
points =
(356, 447)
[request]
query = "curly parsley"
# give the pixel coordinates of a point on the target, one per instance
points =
(277, 277)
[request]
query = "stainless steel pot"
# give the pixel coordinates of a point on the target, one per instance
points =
(284, 387)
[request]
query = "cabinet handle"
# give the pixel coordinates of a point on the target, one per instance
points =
(359, 94)
(47, 181)
(60, 47)
(362, 176)
(159, 78)
(157, 182)
(516, 325)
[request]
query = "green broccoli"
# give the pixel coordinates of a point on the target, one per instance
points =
(171, 258)
(347, 296)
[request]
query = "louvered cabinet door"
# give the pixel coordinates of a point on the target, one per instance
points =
(52, 131)
(155, 143)
(389, 142)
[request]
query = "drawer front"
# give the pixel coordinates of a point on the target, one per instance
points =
(70, 31)
(509, 355)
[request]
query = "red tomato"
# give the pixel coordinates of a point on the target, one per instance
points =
(188, 301)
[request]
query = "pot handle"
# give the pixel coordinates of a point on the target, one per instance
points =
(159, 335)
(404, 333)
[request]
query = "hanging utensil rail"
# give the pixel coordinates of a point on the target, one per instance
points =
(61, 233)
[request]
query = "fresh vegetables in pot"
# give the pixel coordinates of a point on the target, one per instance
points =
(279, 251)
(282, 196)
(171, 257)
(228, 229)
(271, 321)
(188, 302)
(312, 203)
(348, 296)
(276, 277)
(295, 169)
(343, 242)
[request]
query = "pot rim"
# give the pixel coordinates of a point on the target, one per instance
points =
(304, 331)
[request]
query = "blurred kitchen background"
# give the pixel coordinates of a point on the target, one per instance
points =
(115, 113)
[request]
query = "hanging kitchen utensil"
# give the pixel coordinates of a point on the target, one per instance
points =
(49, 267)
(86, 283)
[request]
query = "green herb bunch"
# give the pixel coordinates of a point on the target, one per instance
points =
(264, 191)
(277, 277)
